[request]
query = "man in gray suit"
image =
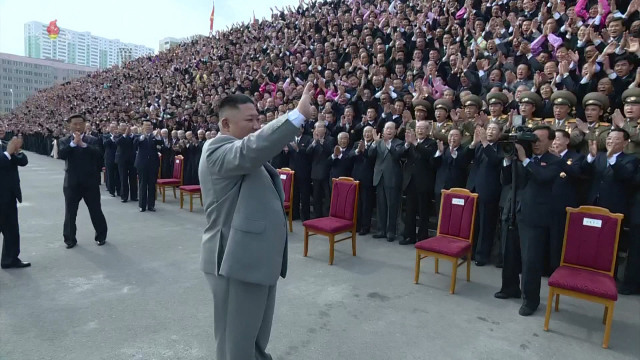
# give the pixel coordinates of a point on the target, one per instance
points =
(387, 178)
(244, 246)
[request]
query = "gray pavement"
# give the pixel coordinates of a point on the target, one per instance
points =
(142, 296)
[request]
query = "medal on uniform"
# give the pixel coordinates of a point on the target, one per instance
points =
(569, 162)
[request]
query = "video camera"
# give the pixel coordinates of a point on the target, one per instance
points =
(522, 135)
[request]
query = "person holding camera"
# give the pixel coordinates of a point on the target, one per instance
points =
(535, 175)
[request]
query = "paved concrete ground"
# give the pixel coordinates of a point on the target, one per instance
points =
(142, 296)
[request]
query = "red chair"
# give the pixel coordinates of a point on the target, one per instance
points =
(193, 191)
(342, 216)
(287, 177)
(588, 259)
(454, 238)
(176, 179)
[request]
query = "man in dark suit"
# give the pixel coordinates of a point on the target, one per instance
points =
(125, 157)
(452, 164)
(565, 193)
(387, 178)
(299, 162)
(319, 151)
(535, 178)
(81, 180)
(631, 283)
(487, 161)
(418, 181)
(341, 163)
(363, 167)
(147, 163)
(11, 156)
(111, 168)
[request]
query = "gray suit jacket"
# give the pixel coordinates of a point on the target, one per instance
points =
(387, 163)
(246, 234)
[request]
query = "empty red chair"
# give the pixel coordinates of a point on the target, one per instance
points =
(588, 259)
(342, 216)
(454, 238)
(192, 191)
(176, 178)
(287, 177)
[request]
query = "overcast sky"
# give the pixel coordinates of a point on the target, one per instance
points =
(142, 22)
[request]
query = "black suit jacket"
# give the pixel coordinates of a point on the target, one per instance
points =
(320, 158)
(487, 169)
(124, 151)
(109, 149)
(363, 165)
(611, 185)
(419, 166)
(341, 166)
(147, 152)
(567, 184)
(9, 177)
(299, 161)
(452, 173)
(280, 161)
(81, 164)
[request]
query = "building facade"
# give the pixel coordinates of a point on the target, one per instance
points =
(79, 48)
(168, 42)
(21, 77)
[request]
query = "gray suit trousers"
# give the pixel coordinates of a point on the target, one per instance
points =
(242, 315)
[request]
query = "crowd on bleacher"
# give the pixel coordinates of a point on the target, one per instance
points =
(437, 80)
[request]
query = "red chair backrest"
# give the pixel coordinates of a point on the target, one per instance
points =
(343, 199)
(287, 182)
(591, 240)
(177, 168)
(456, 215)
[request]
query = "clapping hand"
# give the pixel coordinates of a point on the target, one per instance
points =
(337, 151)
(376, 135)
(593, 148)
(361, 146)
(441, 146)
(77, 138)
(14, 145)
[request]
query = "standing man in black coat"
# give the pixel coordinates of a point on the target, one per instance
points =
(341, 163)
(535, 179)
(363, 166)
(418, 180)
(299, 162)
(11, 156)
(452, 164)
(125, 157)
(319, 152)
(148, 164)
(81, 154)
(111, 168)
(487, 161)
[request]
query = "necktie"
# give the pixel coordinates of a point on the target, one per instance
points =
(536, 160)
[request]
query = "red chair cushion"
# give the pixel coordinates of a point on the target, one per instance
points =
(168, 182)
(585, 282)
(328, 224)
(590, 240)
(456, 215)
(191, 188)
(287, 181)
(286, 205)
(444, 245)
(343, 200)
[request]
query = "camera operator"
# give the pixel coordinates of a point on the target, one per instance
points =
(534, 179)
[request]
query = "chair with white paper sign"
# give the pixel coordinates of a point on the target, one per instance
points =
(588, 260)
(287, 177)
(454, 238)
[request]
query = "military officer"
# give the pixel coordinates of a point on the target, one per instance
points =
(497, 101)
(563, 103)
(420, 108)
(440, 129)
(631, 101)
(472, 107)
(595, 104)
(529, 103)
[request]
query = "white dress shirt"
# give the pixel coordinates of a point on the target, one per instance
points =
(611, 160)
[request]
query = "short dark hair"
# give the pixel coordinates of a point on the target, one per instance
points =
(625, 133)
(552, 134)
(75, 116)
(565, 133)
(233, 102)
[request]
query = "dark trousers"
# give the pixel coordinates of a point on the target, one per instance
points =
(387, 201)
(632, 270)
(148, 179)
(113, 178)
(128, 180)
(366, 196)
(10, 232)
(91, 196)
(417, 203)
(553, 249)
(321, 195)
(532, 239)
(301, 199)
(486, 224)
(511, 258)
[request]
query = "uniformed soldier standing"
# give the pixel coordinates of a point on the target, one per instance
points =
(563, 102)
(595, 104)
(497, 101)
(631, 101)
(472, 107)
(440, 129)
(530, 102)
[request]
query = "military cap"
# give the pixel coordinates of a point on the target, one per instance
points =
(631, 96)
(529, 97)
(497, 98)
(596, 98)
(472, 100)
(421, 105)
(443, 104)
(563, 97)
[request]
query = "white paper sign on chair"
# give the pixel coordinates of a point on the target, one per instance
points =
(283, 176)
(592, 222)
(455, 201)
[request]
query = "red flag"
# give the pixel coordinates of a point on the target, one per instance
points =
(213, 10)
